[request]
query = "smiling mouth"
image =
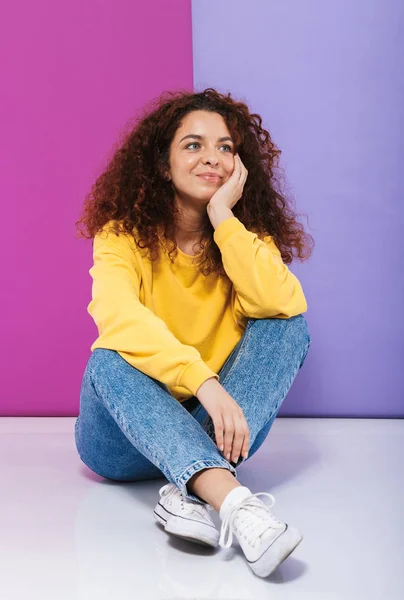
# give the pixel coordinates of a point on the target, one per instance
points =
(210, 178)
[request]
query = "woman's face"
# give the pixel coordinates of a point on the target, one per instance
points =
(207, 148)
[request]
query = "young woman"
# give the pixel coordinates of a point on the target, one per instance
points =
(201, 332)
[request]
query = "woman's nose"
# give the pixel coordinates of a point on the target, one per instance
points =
(211, 158)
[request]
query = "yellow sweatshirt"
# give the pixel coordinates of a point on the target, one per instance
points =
(173, 323)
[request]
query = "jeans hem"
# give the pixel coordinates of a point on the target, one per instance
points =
(197, 466)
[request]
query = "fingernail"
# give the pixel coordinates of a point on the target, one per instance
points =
(221, 448)
(228, 456)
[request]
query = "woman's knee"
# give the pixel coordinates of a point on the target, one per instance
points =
(294, 331)
(112, 458)
(102, 363)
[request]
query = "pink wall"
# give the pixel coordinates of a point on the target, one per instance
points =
(75, 73)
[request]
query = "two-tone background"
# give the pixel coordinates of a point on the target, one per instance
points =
(327, 78)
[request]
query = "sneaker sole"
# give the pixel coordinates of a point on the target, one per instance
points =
(277, 552)
(184, 533)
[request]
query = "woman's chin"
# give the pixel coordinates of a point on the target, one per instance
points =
(204, 197)
(198, 196)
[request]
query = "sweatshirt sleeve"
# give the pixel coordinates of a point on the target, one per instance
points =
(264, 287)
(133, 330)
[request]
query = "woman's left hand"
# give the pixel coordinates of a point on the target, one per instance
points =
(231, 191)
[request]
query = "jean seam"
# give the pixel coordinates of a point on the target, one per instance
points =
(240, 352)
(239, 355)
(205, 462)
(290, 381)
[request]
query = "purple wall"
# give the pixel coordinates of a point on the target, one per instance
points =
(73, 74)
(328, 79)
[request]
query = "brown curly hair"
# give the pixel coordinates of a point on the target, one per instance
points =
(134, 192)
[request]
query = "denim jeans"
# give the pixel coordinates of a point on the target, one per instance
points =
(130, 428)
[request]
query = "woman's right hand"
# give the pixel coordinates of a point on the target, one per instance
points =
(231, 429)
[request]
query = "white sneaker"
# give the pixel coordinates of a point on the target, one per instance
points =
(185, 517)
(265, 540)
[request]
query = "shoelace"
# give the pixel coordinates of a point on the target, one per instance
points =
(187, 504)
(256, 516)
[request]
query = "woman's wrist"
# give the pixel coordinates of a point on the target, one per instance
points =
(206, 386)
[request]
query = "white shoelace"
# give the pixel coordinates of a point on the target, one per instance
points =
(255, 516)
(187, 504)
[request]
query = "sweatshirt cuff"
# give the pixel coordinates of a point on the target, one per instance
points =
(195, 375)
(226, 229)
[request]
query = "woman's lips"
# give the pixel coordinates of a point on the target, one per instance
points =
(210, 178)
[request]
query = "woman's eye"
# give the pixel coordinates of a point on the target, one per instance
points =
(197, 144)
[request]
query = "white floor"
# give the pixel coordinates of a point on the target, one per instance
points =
(66, 533)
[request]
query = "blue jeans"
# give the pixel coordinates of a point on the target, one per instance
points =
(130, 428)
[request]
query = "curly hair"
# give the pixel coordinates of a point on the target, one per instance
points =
(134, 193)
